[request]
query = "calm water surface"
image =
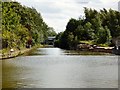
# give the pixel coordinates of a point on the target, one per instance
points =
(57, 68)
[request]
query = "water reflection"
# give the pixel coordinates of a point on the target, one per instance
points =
(60, 52)
(48, 51)
(52, 68)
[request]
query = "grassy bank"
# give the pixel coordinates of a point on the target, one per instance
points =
(90, 42)
(5, 53)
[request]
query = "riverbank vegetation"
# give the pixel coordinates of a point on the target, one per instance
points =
(22, 25)
(97, 27)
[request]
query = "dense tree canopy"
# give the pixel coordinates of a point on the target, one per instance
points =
(99, 27)
(20, 24)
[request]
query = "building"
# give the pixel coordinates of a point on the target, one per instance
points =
(116, 49)
(119, 6)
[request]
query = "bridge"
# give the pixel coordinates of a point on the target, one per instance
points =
(50, 40)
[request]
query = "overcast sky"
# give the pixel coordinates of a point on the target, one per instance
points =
(56, 13)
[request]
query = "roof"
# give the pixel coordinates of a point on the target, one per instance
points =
(51, 38)
(116, 39)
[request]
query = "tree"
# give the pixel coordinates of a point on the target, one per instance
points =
(20, 23)
(51, 32)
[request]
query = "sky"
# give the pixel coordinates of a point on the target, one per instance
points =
(56, 13)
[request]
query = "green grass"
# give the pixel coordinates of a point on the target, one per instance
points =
(7, 50)
(92, 42)
(104, 45)
(87, 42)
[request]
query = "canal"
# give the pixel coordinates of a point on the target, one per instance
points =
(57, 68)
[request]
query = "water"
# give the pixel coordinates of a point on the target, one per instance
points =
(57, 68)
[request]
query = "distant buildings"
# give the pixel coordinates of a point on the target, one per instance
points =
(119, 6)
(116, 49)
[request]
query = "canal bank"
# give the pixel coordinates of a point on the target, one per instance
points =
(95, 48)
(17, 52)
(82, 51)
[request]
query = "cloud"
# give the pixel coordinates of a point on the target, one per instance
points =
(109, 1)
(57, 13)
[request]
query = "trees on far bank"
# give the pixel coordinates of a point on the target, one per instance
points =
(99, 27)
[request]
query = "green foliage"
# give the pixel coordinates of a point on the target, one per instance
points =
(51, 32)
(101, 36)
(98, 27)
(20, 23)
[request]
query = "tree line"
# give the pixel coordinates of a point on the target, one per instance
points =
(21, 24)
(99, 27)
